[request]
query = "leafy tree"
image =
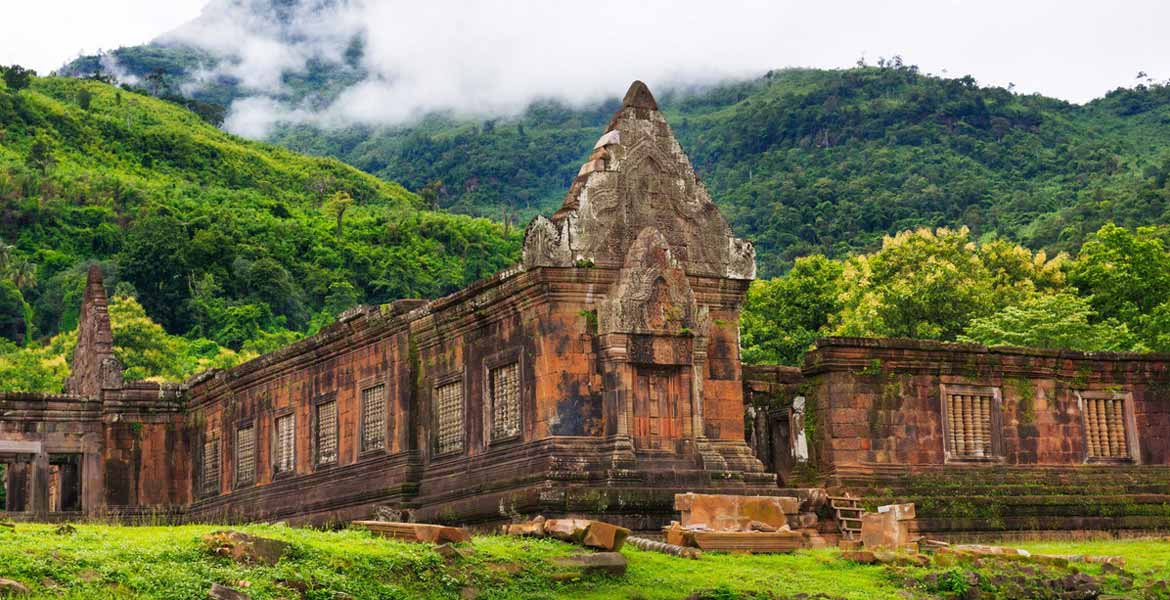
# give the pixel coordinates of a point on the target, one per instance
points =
(84, 98)
(1127, 272)
(153, 259)
(41, 155)
(930, 284)
(783, 316)
(1059, 320)
(337, 204)
(17, 77)
(922, 284)
(14, 324)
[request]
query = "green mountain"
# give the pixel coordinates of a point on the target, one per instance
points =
(801, 160)
(822, 161)
(242, 243)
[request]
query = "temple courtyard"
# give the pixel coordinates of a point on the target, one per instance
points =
(111, 561)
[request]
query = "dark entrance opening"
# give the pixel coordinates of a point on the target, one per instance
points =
(17, 486)
(64, 482)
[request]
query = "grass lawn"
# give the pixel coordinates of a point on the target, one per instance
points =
(104, 561)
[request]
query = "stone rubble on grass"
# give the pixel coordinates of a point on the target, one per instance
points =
(415, 532)
(592, 534)
(245, 549)
(649, 545)
(223, 592)
(9, 587)
(889, 528)
(598, 563)
(740, 523)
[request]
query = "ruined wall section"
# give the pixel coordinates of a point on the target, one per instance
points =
(323, 375)
(146, 451)
(995, 442)
(37, 431)
(94, 365)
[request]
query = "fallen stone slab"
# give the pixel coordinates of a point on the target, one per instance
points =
(605, 536)
(983, 549)
(884, 530)
(534, 528)
(567, 530)
(901, 512)
(245, 549)
(864, 557)
(726, 512)
(454, 553)
(223, 592)
(748, 541)
(9, 587)
(415, 532)
(599, 563)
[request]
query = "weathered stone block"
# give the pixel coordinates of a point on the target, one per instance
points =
(734, 513)
(901, 512)
(599, 563)
(605, 536)
(416, 532)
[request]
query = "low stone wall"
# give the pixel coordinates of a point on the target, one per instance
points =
(988, 443)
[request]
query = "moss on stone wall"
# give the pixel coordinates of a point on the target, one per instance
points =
(1026, 402)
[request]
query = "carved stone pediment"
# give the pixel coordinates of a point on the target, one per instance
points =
(652, 294)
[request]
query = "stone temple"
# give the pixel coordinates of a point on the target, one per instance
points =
(598, 378)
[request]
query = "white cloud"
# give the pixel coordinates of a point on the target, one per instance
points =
(480, 57)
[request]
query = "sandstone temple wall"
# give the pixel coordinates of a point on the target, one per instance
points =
(895, 402)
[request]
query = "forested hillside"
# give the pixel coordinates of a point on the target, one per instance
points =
(800, 160)
(805, 161)
(236, 245)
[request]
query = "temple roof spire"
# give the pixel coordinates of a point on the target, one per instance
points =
(639, 96)
(638, 177)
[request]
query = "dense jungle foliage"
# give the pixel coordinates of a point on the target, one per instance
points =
(234, 245)
(816, 161)
(942, 285)
(801, 161)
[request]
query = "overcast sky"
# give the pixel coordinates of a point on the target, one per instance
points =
(506, 50)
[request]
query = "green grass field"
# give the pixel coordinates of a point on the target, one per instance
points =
(103, 561)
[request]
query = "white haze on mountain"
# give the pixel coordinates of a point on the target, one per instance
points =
(476, 58)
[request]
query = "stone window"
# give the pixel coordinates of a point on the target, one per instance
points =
(246, 455)
(449, 417)
(327, 432)
(285, 452)
(1107, 430)
(970, 415)
(374, 418)
(504, 394)
(210, 470)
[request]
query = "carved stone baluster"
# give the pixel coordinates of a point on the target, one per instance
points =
(1091, 433)
(985, 418)
(1117, 445)
(977, 430)
(968, 427)
(1102, 427)
(952, 444)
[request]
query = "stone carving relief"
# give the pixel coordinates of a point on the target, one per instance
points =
(546, 245)
(653, 294)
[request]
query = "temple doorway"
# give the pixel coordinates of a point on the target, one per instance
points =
(657, 396)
